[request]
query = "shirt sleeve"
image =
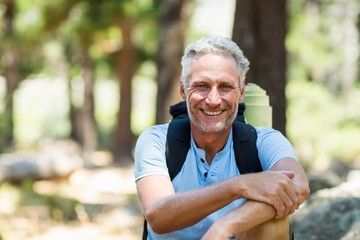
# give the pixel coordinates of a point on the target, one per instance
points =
(272, 146)
(150, 152)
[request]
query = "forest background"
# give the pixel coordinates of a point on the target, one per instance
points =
(100, 72)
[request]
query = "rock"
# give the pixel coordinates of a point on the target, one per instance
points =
(327, 179)
(332, 213)
(340, 168)
(54, 160)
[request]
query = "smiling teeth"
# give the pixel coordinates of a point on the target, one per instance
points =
(212, 113)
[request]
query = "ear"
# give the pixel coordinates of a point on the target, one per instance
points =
(242, 92)
(182, 91)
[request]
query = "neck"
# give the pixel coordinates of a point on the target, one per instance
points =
(211, 143)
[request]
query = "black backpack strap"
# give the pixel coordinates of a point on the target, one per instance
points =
(177, 139)
(179, 110)
(177, 145)
(240, 115)
(145, 231)
(246, 154)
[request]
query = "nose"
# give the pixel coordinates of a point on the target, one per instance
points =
(213, 98)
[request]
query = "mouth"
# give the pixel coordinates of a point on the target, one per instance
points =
(212, 113)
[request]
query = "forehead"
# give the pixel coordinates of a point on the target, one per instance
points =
(214, 67)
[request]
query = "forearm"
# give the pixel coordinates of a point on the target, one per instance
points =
(186, 209)
(251, 214)
(247, 216)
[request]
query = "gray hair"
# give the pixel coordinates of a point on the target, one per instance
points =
(213, 45)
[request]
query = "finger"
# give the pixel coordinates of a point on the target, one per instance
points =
(289, 174)
(290, 200)
(293, 195)
(288, 204)
(279, 207)
(294, 198)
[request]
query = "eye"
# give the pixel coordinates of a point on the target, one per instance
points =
(201, 86)
(226, 87)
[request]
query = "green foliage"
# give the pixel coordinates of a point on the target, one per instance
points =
(323, 120)
(28, 21)
(14, 197)
(321, 125)
(49, 35)
(60, 208)
(321, 50)
(24, 39)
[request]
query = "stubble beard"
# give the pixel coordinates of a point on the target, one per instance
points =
(219, 127)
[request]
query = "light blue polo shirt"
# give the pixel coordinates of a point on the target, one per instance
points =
(197, 173)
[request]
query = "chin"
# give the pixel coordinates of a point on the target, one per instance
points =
(213, 129)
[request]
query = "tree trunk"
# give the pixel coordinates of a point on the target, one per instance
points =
(89, 130)
(74, 116)
(173, 21)
(125, 69)
(260, 29)
(10, 60)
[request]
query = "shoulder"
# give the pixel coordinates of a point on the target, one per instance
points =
(155, 131)
(265, 133)
(152, 138)
(268, 136)
(150, 152)
(272, 146)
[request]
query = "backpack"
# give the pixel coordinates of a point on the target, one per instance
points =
(178, 143)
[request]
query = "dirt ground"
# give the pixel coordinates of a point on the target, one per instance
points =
(90, 204)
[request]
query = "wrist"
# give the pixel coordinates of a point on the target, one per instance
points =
(237, 187)
(224, 227)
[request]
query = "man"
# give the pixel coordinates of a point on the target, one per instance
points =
(209, 198)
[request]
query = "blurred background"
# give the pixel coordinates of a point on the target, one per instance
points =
(80, 80)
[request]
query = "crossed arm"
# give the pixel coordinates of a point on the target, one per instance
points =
(278, 193)
(253, 212)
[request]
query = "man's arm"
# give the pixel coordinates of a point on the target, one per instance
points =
(253, 213)
(166, 211)
(162, 206)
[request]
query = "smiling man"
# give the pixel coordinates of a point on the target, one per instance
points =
(210, 198)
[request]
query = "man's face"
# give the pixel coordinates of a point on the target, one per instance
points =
(213, 93)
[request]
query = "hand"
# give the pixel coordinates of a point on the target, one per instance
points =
(272, 187)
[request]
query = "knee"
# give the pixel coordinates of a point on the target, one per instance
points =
(274, 229)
